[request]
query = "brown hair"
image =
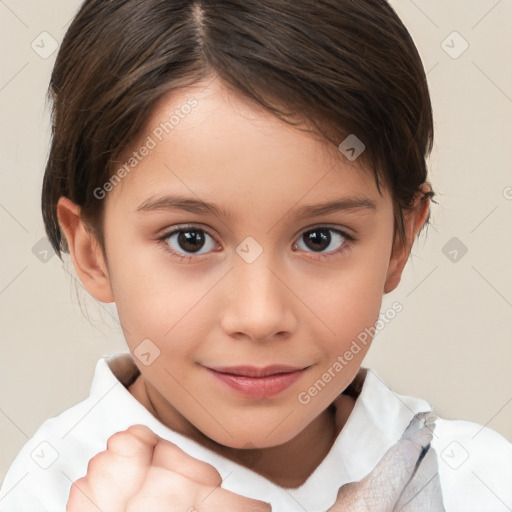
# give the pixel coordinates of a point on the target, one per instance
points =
(345, 66)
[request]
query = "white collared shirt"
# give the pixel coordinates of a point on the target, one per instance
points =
(474, 462)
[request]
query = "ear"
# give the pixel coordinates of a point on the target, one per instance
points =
(414, 219)
(85, 251)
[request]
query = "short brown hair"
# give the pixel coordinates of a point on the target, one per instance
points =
(345, 66)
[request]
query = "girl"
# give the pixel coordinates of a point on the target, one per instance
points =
(245, 180)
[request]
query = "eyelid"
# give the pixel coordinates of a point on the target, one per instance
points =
(349, 239)
(168, 232)
(335, 227)
(165, 234)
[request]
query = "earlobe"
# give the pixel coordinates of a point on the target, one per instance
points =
(85, 251)
(396, 266)
(414, 220)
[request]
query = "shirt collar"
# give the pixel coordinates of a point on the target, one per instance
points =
(377, 421)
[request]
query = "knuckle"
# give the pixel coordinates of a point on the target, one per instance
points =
(97, 462)
(118, 441)
(213, 476)
(75, 500)
(142, 432)
(133, 438)
(122, 443)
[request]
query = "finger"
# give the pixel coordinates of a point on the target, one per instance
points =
(218, 499)
(165, 490)
(136, 442)
(81, 499)
(129, 454)
(169, 456)
(117, 473)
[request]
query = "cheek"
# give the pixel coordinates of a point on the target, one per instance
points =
(353, 295)
(350, 314)
(153, 298)
(158, 298)
(349, 302)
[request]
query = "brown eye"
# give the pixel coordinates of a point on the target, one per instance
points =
(322, 239)
(190, 241)
(318, 239)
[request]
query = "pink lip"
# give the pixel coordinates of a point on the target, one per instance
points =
(253, 382)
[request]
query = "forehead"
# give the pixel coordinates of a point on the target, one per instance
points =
(209, 141)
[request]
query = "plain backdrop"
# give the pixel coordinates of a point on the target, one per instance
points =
(451, 344)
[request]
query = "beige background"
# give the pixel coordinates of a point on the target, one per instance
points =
(451, 344)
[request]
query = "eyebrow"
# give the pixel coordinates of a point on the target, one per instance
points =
(192, 205)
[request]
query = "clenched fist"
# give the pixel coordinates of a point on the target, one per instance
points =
(140, 471)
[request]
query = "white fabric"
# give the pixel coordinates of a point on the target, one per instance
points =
(474, 462)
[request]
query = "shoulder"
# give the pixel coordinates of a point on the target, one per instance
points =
(36, 478)
(42, 473)
(475, 466)
(40, 477)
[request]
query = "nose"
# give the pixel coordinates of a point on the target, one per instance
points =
(259, 304)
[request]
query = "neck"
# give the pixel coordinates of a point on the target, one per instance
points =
(288, 465)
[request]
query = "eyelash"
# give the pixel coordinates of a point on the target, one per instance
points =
(317, 256)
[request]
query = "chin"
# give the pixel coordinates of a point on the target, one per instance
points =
(264, 436)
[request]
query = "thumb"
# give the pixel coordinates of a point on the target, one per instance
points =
(169, 456)
(136, 443)
(115, 474)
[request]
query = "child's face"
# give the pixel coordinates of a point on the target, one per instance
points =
(223, 308)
